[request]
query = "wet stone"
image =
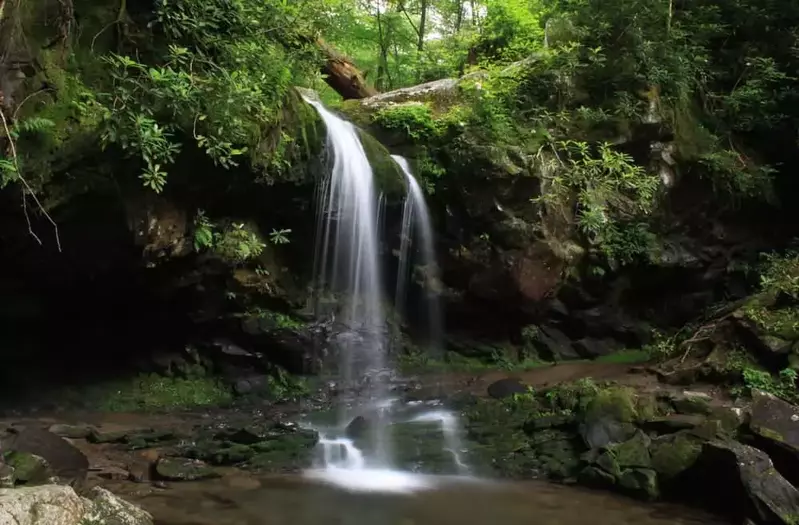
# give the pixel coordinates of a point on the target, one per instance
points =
(182, 469)
(72, 431)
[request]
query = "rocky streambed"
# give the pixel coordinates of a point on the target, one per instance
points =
(606, 427)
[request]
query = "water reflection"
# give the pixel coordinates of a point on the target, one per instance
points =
(295, 501)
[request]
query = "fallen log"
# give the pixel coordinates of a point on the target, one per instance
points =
(342, 75)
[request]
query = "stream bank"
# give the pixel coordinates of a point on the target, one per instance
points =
(612, 427)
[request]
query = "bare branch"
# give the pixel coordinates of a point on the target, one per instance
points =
(27, 188)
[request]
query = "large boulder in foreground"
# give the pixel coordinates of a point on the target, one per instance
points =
(770, 498)
(775, 420)
(42, 505)
(61, 505)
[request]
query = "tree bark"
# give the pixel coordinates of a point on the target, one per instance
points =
(422, 28)
(342, 75)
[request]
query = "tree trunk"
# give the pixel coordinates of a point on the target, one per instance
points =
(342, 75)
(459, 19)
(422, 24)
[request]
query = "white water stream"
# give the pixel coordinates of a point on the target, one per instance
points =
(347, 262)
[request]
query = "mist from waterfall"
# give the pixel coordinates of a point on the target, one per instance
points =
(416, 223)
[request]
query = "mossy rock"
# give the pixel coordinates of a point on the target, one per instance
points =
(606, 461)
(182, 469)
(596, 477)
(633, 453)
(640, 482)
(609, 417)
(28, 469)
(219, 453)
(618, 403)
(388, 176)
(674, 454)
(692, 405)
(270, 446)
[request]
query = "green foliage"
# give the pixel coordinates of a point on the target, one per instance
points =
(233, 242)
(237, 243)
(780, 274)
(415, 120)
(613, 198)
(285, 387)
(779, 279)
(783, 385)
(155, 392)
(278, 319)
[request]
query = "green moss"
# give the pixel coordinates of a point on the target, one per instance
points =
(769, 433)
(155, 392)
(388, 175)
(634, 452)
(29, 469)
(614, 401)
(413, 119)
(640, 482)
(692, 405)
(675, 454)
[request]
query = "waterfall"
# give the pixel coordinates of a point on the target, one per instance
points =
(347, 262)
(416, 213)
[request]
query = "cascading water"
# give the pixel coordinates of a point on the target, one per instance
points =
(415, 213)
(346, 261)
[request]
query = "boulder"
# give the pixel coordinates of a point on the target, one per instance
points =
(42, 505)
(29, 469)
(551, 343)
(633, 453)
(104, 508)
(71, 431)
(771, 499)
(63, 459)
(674, 454)
(181, 469)
(775, 420)
(608, 418)
(507, 387)
(775, 425)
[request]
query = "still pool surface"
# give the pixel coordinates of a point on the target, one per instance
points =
(294, 500)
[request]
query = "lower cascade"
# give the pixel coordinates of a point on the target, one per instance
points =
(347, 263)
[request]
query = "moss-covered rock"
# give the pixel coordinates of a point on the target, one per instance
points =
(389, 178)
(29, 469)
(609, 417)
(181, 469)
(265, 447)
(640, 482)
(674, 454)
(634, 452)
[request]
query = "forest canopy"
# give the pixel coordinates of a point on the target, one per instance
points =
(150, 80)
